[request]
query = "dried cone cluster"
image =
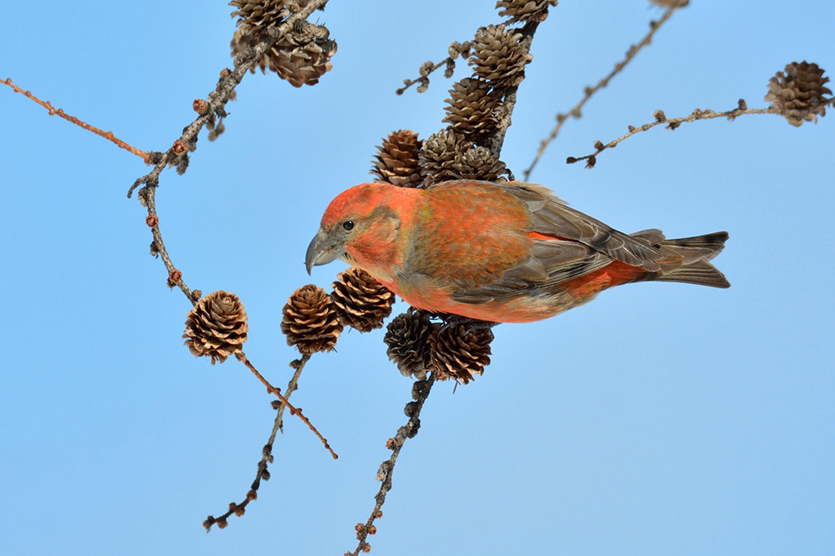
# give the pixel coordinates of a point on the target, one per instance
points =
(456, 351)
(216, 327)
(525, 10)
(460, 351)
(360, 300)
(254, 15)
(397, 161)
(311, 322)
(407, 338)
(472, 109)
(500, 55)
(799, 92)
(301, 56)
(447, 156)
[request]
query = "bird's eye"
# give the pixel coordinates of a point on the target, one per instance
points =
(348, 225)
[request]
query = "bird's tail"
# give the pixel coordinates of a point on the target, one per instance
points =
(688, 258)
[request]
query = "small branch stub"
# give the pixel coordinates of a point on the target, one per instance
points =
(174, 277)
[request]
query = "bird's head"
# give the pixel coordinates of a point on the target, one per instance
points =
(361, 226)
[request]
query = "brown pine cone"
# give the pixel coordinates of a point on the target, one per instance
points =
(438, 156)
(500, 55)
(472, 109)
(310, 321)
(397, 161)
(478, 163)
(407, 338)
(525, 10)
(216, 327)
(361, 301)
(799, 92)
(258, 14)
(459, 351)
(447, 156)
(301, 56)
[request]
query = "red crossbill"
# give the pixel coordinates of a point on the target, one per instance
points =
(500, 252)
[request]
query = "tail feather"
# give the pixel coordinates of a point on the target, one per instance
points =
(709, 244)
(700, 272)
(690, 256)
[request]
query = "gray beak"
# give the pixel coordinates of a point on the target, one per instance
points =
(322, 250)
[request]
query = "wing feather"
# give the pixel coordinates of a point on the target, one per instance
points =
(552, 217)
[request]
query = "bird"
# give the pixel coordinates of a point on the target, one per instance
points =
(509, 252)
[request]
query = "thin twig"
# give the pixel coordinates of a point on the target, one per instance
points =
(263, 472)
(456, 49)
(673, 123)
(424, 78)
(175, 277)
(293, 410)
(420, 391)
(297, 364)
(576, 112)
(53, 111)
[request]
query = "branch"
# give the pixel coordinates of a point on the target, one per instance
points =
(298, 365)
(266, 457)
(697, 114)
(175, 277)
(590, 91)
(427, 68)
(420, 391)
(208, 109)
(53, 111)
(293, 410)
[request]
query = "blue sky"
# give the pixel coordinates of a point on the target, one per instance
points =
(659, 419)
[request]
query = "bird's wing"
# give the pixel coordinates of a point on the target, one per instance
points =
(567, 244)
(552, 218)
(551, 263)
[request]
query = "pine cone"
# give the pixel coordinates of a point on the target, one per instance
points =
(525, 10)
(216, 327)
(472, 109)
(500, 55)
(407, 338)
(799, 92)
(459, 351)
(258, 14)
(447, 156)
(310, 321)
(397, 161)
(361, 301)
(301, 56)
